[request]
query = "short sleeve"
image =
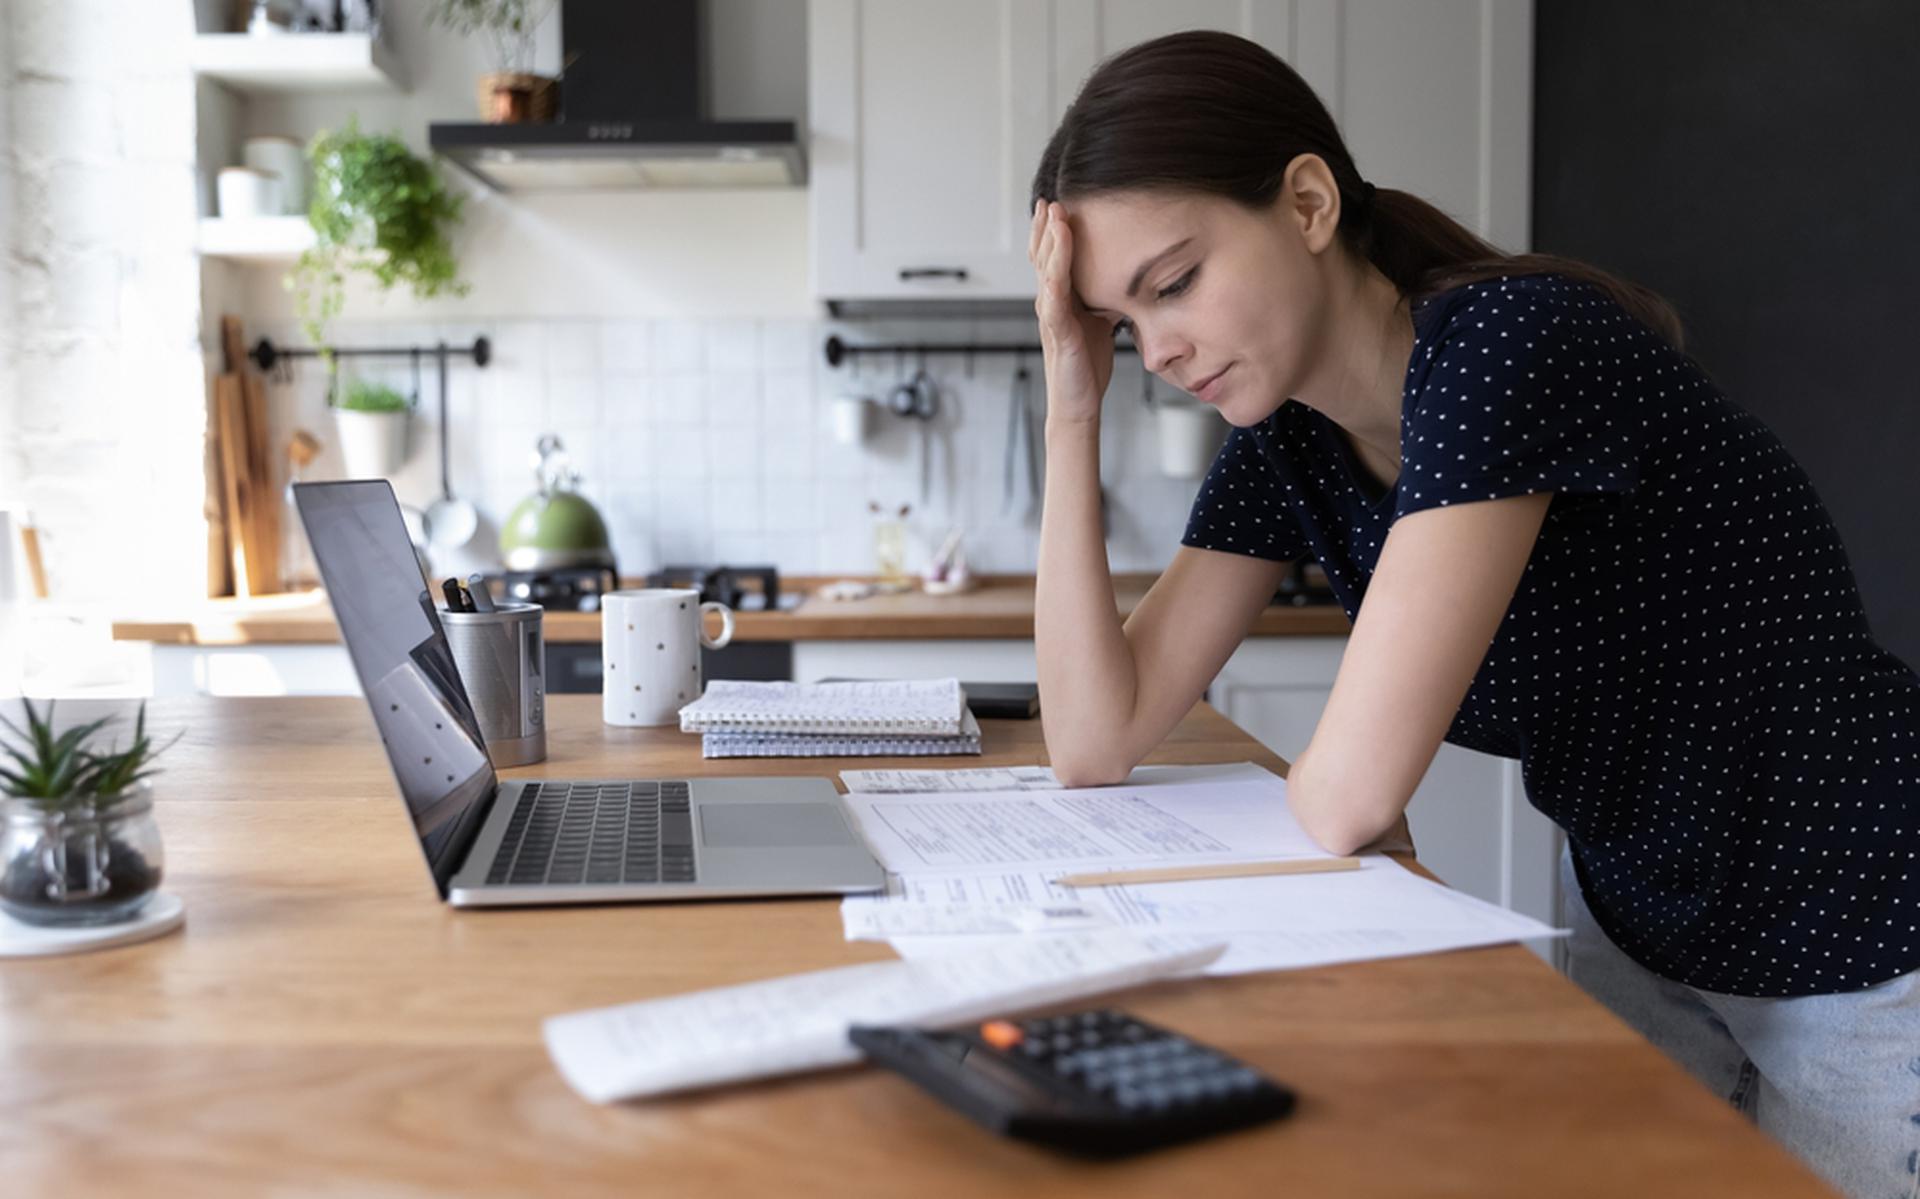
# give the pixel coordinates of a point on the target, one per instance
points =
(1242, 505)
(1525, 386)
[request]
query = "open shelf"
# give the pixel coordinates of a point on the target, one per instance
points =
(254, 239)
(297, 62)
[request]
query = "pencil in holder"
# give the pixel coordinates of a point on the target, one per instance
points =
(501, 656)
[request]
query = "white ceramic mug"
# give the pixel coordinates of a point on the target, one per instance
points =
(851, 416)
(1190, 435)
(650, 645)
(245, 193)
(284, 157)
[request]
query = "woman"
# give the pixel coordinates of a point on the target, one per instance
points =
(1557, 541)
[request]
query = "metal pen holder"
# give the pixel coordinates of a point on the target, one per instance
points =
(501, 656)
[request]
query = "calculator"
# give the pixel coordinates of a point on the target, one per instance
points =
(1099, 1083)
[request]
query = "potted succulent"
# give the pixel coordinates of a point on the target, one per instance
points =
(373, 420)
(78, 841)
(511, 94)
(378, 209)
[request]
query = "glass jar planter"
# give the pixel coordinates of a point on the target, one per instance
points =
(85, 865)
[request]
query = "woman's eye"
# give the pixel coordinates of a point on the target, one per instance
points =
(1123, 325)
(1179, 285)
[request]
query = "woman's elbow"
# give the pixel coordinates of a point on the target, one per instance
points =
(1339, 826)
(1090, 774)
(1338, 836)
(1089, 768)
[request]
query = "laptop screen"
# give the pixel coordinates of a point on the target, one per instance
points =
(387, 617)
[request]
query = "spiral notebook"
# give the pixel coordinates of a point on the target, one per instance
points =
(926, 707)
(914, 718)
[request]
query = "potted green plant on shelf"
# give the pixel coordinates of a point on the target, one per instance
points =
(78, 841)
(511, 94)
(373, 420)
(379, 209)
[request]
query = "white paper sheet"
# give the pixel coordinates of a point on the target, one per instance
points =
(985, 778)
(1270, 923)
(1036, 778)
(800, 1022)
(1234, 817)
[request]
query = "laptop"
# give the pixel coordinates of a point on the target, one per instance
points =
(490, 843)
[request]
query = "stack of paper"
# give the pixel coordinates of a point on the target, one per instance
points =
(783, 720)
(800, 1022)
(972, 868)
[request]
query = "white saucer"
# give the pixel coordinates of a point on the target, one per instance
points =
(163, 913)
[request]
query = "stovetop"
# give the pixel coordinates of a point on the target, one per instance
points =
(562, 589)
(742, 588)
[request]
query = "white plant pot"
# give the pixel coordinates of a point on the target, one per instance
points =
(1190, 435)
(374, 444)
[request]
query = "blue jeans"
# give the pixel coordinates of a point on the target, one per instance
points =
(1834, 1078)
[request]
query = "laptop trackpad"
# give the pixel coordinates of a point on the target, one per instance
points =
(771, 825)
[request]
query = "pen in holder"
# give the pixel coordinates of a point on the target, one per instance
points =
(501, 656)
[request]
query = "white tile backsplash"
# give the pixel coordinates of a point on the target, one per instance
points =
(625, 346)
(704, 439)
(733, 346)
(679, 347)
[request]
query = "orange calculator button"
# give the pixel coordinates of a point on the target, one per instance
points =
(1001, 1035)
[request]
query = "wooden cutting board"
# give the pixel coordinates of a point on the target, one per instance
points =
(246, 468)
(229, 404)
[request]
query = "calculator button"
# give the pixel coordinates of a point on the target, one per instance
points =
(1001, 1034)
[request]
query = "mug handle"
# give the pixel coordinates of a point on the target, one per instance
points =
(726, 625)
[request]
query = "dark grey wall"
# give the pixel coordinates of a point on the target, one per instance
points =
(1759, 165)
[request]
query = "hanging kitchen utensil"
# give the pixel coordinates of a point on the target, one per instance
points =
(1020, 475)
(919, 399)
(453, 525)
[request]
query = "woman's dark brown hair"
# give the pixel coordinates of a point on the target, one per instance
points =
(1211, 113)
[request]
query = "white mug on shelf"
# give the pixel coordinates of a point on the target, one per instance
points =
(650, 645)
(281, 156)
(245, 193)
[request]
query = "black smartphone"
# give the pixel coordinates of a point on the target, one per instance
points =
(990, 701)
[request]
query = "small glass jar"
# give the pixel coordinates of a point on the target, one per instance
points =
(86, 865)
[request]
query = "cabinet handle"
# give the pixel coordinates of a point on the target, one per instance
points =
(956, 273)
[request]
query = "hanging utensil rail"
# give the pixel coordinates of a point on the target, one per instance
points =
(839, 351)
(266, 355)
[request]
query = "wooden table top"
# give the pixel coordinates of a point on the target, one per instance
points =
(1001, 607)
(324, 1025)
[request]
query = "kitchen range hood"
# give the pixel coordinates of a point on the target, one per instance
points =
(632, 115)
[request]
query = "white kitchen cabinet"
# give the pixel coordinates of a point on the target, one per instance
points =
(1471, 822)
(927, 118)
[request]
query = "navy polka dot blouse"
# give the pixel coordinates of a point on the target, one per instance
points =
(1685, 672)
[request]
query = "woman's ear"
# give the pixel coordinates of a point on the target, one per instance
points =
(1311, 200)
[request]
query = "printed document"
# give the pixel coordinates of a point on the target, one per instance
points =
(800, 1022)
(1238, 813)
(1270, 922)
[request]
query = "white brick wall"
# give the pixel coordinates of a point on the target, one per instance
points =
(102, 395)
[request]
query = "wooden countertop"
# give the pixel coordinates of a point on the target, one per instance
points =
(1002, 607)
(324, 1025)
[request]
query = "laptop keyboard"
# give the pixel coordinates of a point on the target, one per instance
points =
(616, 832)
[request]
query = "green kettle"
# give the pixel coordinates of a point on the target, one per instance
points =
(555, 528)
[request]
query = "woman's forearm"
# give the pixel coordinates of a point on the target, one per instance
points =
(1086, 669)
